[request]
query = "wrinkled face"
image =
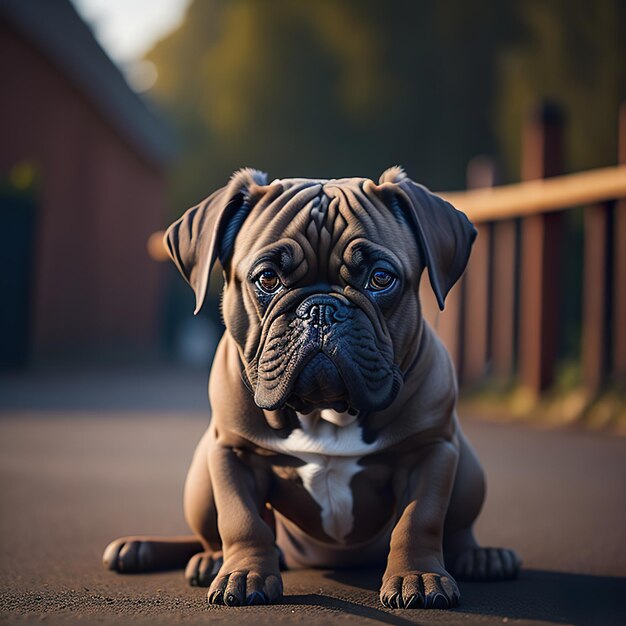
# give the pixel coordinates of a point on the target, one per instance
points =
(327, 275)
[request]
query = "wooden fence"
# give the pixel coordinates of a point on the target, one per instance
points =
(503, 320)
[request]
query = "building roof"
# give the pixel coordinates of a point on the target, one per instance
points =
(56, 29)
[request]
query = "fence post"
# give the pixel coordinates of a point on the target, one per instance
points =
(449, 327)
(595, 292)
(542, 156)
(619, 270)
(481, 172)
(503, 305)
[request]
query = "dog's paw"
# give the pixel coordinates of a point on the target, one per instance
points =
(486, 564)
(203, 567)
(245, 587)
(128, 555)
(420, 591)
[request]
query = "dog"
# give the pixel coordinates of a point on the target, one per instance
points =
(334, 440)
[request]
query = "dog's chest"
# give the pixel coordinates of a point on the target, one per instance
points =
(330, 445)
(327, 479)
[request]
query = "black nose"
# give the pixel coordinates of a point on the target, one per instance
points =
(322, 310)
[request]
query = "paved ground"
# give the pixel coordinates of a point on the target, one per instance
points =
(88, 468)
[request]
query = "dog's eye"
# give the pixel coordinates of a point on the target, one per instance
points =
(268, 281)
(380, 280)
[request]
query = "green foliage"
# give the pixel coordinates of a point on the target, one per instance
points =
(329, 88)
(344, 87)
(572, 52)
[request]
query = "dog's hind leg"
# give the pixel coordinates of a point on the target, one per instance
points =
(201, 515)
(465, 559)
(199, 553)
(146, 554)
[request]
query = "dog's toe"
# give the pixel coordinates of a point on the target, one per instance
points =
(486, 564)
(412, 592)
(391, 591)
(440, 592)
(202, 568)
(109, 558)
(127, 555)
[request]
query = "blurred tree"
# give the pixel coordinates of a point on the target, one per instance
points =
(341, 87)
(572, 52)
(330, 88)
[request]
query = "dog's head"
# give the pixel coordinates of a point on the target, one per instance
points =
(321, 280)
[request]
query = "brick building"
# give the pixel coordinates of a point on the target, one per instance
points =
(82, 187)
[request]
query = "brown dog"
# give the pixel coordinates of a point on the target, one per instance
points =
(334, 439)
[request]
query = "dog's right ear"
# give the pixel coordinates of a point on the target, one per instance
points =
(206, 232)
(445, 234)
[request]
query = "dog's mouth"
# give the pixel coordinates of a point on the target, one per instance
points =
(319, 385)
(340, 407)
(315, 383)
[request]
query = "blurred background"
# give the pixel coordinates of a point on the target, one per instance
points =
(117, 115)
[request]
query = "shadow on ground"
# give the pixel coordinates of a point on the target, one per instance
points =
(537, 595)
(578, 599)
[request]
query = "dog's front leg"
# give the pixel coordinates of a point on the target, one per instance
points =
(415, 576)
(250, 573)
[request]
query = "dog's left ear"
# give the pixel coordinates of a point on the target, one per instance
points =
(445, 234)
(206, 232)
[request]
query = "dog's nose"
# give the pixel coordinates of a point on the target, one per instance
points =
(322, 310)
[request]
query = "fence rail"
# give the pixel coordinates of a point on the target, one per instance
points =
(540, 196)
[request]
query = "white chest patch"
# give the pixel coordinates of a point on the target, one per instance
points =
(327, 479)
(331, 445)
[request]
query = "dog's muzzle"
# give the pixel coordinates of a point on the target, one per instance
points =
(320, 379)
(325, 356)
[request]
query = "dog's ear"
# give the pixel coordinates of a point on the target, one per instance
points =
(445, 234)
(206, 232)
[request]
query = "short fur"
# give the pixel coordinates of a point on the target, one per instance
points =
(334, 438)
